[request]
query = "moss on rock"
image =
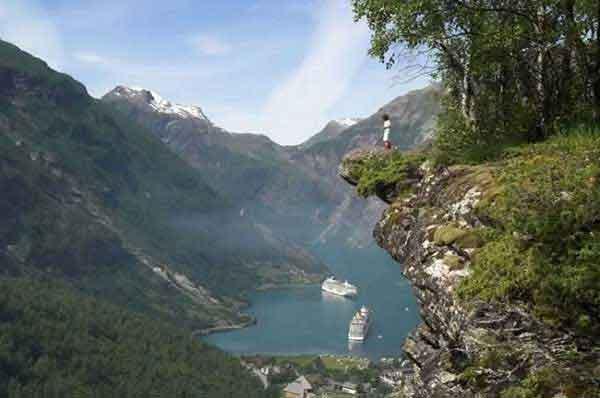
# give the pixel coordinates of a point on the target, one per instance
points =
(387, 174)
(453, 262)
(463, 238)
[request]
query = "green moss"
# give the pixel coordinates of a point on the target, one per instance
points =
(470, 240)
(447, 234)
(551, 381)
(544, 248)
(453, 262)
(388, 171)
(501, 269)
(463, 238)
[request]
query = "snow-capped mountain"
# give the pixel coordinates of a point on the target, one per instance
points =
(155, 102)
(282, 186)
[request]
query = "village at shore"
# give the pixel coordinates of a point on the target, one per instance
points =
(331, 376)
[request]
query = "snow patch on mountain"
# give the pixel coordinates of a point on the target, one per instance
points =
(159, 104)
(347, 122)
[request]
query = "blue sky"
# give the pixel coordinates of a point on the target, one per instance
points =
(277, 67)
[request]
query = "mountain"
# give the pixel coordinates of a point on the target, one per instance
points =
(413, 117)
(250, 169)
(289, 190)
(94, 200)
(330, 131)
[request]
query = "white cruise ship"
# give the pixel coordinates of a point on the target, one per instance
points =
(359, 325)
(333, 286)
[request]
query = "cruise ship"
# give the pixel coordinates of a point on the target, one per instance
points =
(359, 325)
(333, 286)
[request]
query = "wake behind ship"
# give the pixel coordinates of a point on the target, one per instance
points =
(334, 286)
(359, 325)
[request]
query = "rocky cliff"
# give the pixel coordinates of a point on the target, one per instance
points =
(467, 347)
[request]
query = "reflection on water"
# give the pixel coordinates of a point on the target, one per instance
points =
(309, 321)
(356, 348)
(330, 297)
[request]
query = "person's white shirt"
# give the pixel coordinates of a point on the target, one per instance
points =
(387, 125)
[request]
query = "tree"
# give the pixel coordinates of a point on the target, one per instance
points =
(514, 70)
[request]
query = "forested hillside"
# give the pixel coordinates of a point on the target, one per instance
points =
(91, 198)
(57, 343)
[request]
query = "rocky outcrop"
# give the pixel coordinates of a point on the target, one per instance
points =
(462, 349)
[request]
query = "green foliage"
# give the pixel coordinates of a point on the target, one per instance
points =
(389, 171)
(457, 141)
(550, 382)
(513, 71)
(450, 234)
(57, 343)
(502, 269)
(87, 195)
(548, 213)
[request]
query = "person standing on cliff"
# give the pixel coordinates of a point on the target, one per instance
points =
(387, 126)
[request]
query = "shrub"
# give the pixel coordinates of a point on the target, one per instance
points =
(548, 213)
(390, 171)
(458, 141)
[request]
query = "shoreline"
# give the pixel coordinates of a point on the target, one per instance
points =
(287, 286)
(246, 304)
(225, 328)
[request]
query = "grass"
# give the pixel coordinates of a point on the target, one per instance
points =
(300, 361)
(385, 172)
(343, 363)
(547, 219)
(330, 362)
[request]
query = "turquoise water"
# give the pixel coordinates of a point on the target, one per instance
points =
(308, 321)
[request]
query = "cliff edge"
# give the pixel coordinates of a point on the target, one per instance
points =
(441, 224)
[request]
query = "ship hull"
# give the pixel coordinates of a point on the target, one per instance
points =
(338, 293)
(354, 338)
(360, 338)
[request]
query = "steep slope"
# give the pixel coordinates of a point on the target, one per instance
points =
(57, 343)
(250, 169)
(509, 304)
(93, 199)
(291, 191)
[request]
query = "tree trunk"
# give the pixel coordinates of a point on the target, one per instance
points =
(541, 73)
(597, 74)
(569, 71)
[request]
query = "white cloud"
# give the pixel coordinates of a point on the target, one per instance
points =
(298, 106)
(209, 45)
(27, 25)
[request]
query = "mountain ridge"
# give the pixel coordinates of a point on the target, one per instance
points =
(94, 199)
(288, 185)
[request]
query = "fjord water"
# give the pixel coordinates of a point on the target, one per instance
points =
(305, 320)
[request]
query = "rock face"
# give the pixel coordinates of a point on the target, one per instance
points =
(461, 349)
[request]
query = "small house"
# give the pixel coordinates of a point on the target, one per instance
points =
(350, 388)
(300, 388)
